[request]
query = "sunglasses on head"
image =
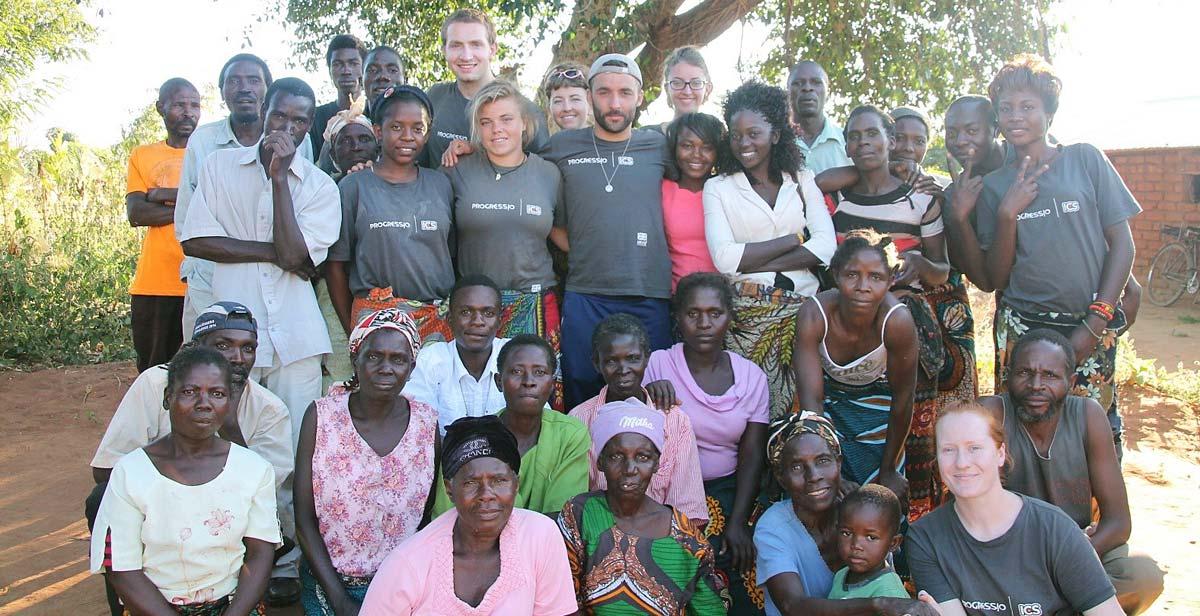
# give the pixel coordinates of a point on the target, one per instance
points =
(571, 73)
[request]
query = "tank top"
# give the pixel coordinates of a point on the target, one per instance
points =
(1061, 477)
(866, 369)
(367, 504)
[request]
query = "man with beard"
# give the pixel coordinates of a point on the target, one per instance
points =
(820, 138)
(469, 46)
(261, 422)
(1062, 452)
(156, 294)
(266, 217)
(612, 213)
(344, 60)
(243, 81)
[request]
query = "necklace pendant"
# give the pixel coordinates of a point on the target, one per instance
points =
(497, 176)
(608, 188)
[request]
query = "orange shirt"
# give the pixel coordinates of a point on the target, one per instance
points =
(157, 165)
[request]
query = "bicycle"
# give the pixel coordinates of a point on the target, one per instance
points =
(1173, 269)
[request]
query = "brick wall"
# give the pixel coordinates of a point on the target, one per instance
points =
(1160, 179)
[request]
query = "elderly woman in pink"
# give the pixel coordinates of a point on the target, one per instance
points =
(364, 467)
(484, 556)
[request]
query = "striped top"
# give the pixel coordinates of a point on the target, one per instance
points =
(906, 217)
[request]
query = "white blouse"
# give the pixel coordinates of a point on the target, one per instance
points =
(735, 215)
(186, 539)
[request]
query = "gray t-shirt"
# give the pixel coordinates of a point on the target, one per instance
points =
(450, 122)
(397, 235)
(1043, 565)
(1060, 236)
(502, 224)
(618, 246)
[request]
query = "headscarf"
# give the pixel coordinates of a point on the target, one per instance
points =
(478, 437)
(791, 425)
(388, 318)
(346, 117)
(629, 415)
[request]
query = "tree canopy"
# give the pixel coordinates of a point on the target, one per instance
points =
(888, 52)
(32, 33)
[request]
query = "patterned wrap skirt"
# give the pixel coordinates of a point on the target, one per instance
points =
(924, 483)
(534, 313)
(763, 333)
(431, 317)
(1095, 376)
(860, 415)
(747, 597)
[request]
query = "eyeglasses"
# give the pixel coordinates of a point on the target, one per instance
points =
(571, 73)
(694, 85)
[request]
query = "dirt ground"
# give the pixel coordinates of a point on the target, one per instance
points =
(55, 419)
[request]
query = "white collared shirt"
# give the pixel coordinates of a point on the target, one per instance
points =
(233, 199)
(206, 139)
(442, 381)
(735, 215)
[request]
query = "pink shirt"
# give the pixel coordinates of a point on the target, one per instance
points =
(678, 482)
(719, 420)
(368, 504)
(683, 222)
(535, 578)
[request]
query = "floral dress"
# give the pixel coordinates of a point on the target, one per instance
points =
(366, 504)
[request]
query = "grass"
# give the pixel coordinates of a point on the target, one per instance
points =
(67, 253)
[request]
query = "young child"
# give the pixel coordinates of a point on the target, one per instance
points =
(868, 530)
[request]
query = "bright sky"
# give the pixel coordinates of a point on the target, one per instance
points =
(1127, 65)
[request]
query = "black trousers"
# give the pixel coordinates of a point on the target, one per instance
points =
(157, 324)
(91, 507)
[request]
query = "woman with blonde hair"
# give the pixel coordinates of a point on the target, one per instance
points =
(504, 206)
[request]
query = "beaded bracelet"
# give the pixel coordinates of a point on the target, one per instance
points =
(1103, 310)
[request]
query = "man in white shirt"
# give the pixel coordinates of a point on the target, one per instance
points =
(820, 139)
(458, 377)
(243, 82)
(260, 422)
(267, 217)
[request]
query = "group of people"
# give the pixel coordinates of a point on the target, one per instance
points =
(457, 351)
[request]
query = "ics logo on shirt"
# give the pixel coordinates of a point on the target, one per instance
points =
(643, 239)
(1070, 207)
(625, 160)
(1034, 609)
(429, 225)
(533, 210)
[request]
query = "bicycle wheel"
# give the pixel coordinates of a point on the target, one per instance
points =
(1169, 274)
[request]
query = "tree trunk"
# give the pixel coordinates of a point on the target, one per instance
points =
(653, 22)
